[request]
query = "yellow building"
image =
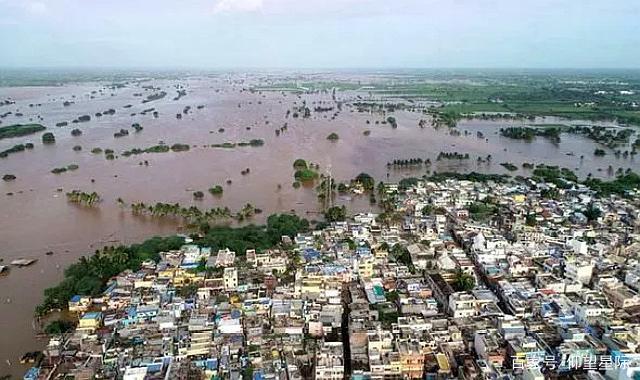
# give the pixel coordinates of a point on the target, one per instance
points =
(519, 198)
(90, 321)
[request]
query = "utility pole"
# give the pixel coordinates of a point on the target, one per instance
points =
(329, 200)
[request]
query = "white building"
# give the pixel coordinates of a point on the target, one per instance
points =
(230, 278)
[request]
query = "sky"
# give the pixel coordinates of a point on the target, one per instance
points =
(236, 34)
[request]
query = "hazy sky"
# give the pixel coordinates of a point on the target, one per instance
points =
(320, 33)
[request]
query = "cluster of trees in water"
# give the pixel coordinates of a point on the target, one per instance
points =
(18, 130)
(408, 162)
(453, 156)
(15, 149)
(161, 148)
(509, 166)
(282, 129)
(610, 137)
(154, 96)
(392, 121)
(91, 274)
(216, 190)
(84, 198)
(333, 137)
(304, 110)
(621, 185)
(252, 142)
(110, 111)
(304, 172)
(48, 138)
(554, 174)
(445, 118)
(335, 214)
(121, 133)
(193, 215)
(528, 133)
(70, 167)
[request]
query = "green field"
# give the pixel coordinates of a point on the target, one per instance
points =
(584, 95)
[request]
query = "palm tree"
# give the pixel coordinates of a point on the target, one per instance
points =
(464, 281)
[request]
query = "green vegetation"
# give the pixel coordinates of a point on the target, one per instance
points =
(481, 210)
(408, 162)
(254, 237)
(387, 314)
(582, 96)
(365, 180)
(193, 216)
(610, 137)
(407, 183)
(528, 134)
(336, 214)
(509, 166)
(473, 176)
(8, 177)
(299, 164)
(180, 147)
(216, 190)
(592, 212)
(621, 185)
(16, 149)
(17, 130)
(80, 197)
(599, 152)
(551, 193)
(463, 282)
(400, 254)
(121, 133)
(76, 132)
(59, 326)
(229, 145)
(161, 148)
(89, 276)
(256, 142)
(561, 177)
(69, 167)
(48, 138)
(305, 175)
(333, 137)
(392, 120)
(453, 156)
(154, 96)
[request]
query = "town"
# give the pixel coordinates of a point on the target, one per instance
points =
(466, 279)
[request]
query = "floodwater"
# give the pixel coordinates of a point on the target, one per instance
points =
(37, 218)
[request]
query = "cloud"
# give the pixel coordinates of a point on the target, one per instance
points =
(35, 6)
(231, 6)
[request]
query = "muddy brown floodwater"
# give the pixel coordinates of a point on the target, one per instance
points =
(37, 218)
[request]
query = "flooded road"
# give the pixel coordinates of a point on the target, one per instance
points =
(37, 218)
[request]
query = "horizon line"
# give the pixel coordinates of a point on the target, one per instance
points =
(306, 68)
